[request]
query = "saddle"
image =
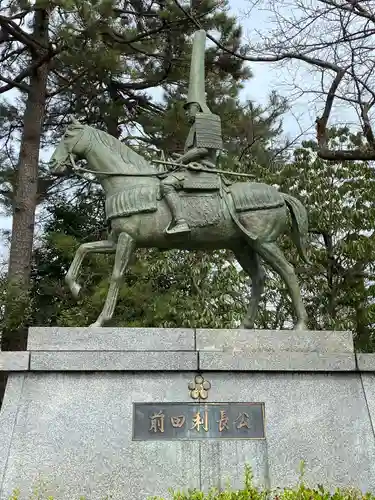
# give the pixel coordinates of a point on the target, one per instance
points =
(195, 180)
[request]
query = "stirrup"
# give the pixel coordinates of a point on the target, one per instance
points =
(179, 228)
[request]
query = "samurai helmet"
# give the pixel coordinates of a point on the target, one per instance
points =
(197, 93)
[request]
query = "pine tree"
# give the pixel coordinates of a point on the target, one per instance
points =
(95, 59)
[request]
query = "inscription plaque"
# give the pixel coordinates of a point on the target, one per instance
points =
(191, 421)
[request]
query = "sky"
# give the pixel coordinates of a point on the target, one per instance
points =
(266, 77)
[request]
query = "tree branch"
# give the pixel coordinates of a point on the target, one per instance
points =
(359, 10)
(13, 83)
(367, 130)
(118, 38)
(67, 84)
(135, 13)
(321, 131)
(17, 81)
(145, 84)
(165, 26)
(321, 123)
(13, 29)
(15, 52)
(364, 154)
(277, 58)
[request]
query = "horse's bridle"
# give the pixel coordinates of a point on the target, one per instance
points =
(79, 170)
(110, 174)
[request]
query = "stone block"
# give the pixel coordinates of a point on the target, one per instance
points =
(8, 418)
(110, 339)
(366, 362)
(274, 340)
(113, 361)
(222, 462)
(275, 361)
(368, 383)
(316, 417)
(14, 361)
(69, 422)
(74, 431)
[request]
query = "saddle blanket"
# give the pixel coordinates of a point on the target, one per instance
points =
(134, 200)
(255, 196)
(200, 209)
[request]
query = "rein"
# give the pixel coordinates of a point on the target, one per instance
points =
(156, 174)
(110, 174)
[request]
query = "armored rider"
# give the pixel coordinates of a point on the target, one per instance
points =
(204, 138)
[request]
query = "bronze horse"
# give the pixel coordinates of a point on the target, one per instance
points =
(244, 217)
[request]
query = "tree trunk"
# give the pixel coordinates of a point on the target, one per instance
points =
(25, 199)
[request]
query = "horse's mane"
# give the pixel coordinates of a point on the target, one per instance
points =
(126, 154)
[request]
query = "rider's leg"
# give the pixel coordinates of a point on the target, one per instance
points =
(174, 202)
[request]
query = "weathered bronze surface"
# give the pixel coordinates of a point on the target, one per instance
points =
(191, 421)
(245, 217)
(183, 208)
(203, 141)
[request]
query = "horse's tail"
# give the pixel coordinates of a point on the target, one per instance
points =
(299, 224)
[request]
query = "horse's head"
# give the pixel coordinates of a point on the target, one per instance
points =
(60, 161)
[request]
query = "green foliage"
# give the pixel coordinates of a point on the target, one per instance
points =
(20, 314)
(252, 492)
(106, 56)
(338, 288)
(249, 492)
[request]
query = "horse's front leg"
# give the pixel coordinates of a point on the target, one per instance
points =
(125, 248)
(105, 246)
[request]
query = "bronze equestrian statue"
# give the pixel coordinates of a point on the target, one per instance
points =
(197, 206)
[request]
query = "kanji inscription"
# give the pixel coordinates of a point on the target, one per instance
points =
(191, 421)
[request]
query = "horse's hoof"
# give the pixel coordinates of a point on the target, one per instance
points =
(75, 288)
(246, 326)
(300, 326)
(97, 324)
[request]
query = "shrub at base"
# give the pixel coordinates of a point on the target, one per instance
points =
(249, 492)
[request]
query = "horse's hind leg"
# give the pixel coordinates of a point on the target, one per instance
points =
(105, 246)
(272, 254)
(250, 263)
(124, 250)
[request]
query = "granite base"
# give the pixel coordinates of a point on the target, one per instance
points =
(66, 418)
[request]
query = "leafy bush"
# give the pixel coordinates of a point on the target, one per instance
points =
(249, 492)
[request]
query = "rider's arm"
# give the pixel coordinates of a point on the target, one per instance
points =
(193, 154)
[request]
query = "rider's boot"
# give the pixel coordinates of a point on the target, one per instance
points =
(174, 203)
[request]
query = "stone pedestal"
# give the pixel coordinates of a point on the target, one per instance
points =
(67, 415)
